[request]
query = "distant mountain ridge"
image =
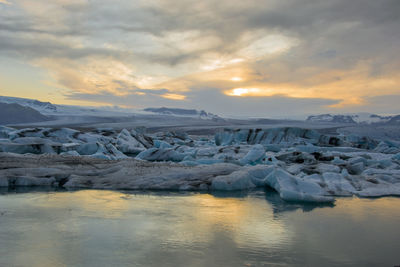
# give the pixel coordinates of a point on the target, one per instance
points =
(54, 111)
(358, 118)
(42, 107)
(14, 113)
(183, 112)
(49, 109)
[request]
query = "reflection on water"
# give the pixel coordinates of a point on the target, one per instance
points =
(104, 228)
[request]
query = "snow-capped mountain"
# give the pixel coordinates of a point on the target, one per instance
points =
(183, 112)
(358, 118)
(15, 113)
(45, 108)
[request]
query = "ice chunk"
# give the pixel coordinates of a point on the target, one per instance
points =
(295, 169)
(380, 190)
(161, 144)
(246, 178)
(70, 153)
(69, 147)
(224, 138)
(161, 154)
(357, 160)
(271, 160)
(206, 152)
(108, 152)
(127, 144)
(93, 138)
(338, 161)
(384, 163)
(309, 148)
(388, 147)
(3, 182)
(323, 167)
(31, 181)
(19, 148)
(87, 149)
(44, 146)
(63, 135)
(356, 168)
(287, 135)
(35, 141)
(336, 184)
(139, 135)
(291, 188)
(254, 156)
(361, 141)
(296, 157)
(374, 171)
(396, 157)
(26, 132)
(317, 178)
(5, 131)
(239, 180)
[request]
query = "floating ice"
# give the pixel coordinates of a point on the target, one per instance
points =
(301, 164)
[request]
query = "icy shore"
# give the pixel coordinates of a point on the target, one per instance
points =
(300, 164)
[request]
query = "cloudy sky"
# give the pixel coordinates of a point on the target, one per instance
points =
(270, 58)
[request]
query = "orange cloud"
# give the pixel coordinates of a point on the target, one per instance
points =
(174, 96)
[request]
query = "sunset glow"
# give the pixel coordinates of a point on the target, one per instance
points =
(244, 92)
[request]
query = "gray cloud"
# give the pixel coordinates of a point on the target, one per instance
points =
(332, 35)
(384, 104)
(132, 99)
(321, 25)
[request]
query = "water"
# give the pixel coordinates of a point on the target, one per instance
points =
(113, 228)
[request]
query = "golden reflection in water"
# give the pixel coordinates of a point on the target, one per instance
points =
(215, 215)
(360, 209)
(199, 216)
(108, 204)
(208, 213)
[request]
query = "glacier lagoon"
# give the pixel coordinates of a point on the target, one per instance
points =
(46, 227)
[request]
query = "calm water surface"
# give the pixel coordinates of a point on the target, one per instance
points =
(114, 228)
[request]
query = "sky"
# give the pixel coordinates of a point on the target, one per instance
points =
(265, 58)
